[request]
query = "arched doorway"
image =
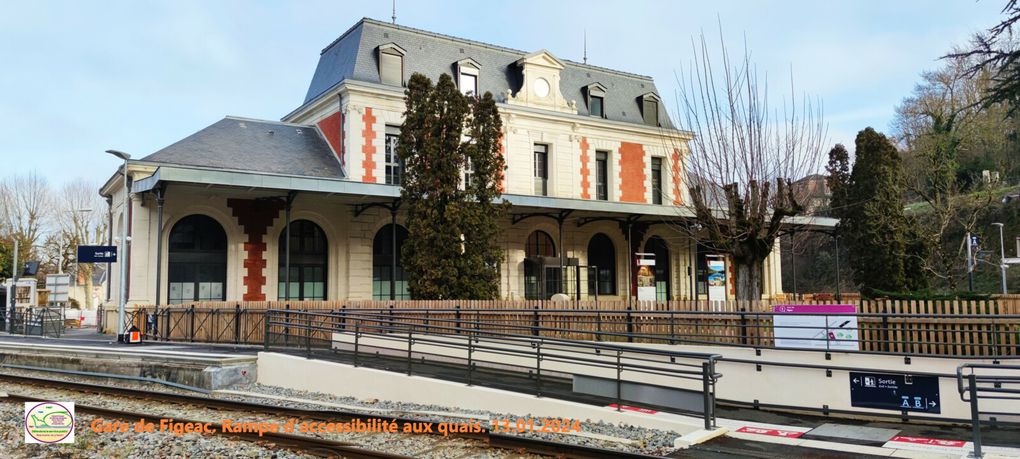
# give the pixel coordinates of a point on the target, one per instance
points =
(308, 260)
(197, 261)
(388, 279)
(540, 281)
(657, 246)
(602, 256)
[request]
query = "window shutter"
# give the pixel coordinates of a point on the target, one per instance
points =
(651, 112)
(391, 69)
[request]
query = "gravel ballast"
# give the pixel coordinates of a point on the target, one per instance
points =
(632, 438)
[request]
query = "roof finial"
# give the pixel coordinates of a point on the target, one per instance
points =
(394, 17)
(585, 45)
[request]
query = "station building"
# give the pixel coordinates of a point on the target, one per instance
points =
(594, 173)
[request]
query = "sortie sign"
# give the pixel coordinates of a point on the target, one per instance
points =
(897, 392)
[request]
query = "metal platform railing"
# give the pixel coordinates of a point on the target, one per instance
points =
(505, 359)
(987, 382)
(957, 334)
(35, 322)
(900, 334)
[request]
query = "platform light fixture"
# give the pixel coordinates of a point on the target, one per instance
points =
(122, 296)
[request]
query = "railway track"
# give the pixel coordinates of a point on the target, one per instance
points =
(307, 444)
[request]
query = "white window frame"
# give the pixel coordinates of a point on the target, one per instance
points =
(468, 67)
(391, 49)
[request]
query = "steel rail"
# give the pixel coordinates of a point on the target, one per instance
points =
(317, 446)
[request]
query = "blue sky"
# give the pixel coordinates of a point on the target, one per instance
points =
(78, 78)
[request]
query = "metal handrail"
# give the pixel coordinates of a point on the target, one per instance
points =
(973, 392)
(891, 324)
(595, 355)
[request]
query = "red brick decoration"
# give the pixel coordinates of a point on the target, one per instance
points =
(585, 183)
(332, 128)
(255, 216)
(731, 278)
(632, 172)
(677, 196)
(368, 149)
(502, 173)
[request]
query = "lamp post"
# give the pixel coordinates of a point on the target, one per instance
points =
(1002, 256)
(122, 296)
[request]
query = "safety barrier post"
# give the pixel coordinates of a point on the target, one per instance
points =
(743, 326)
(357, 331)
(619, 382)
(286, 325)
(265, 333)
(192, 323)
(470, 362)
(237, 324)
(457, 317)
(709, 402)
(630, 325)
(975, 417)
(885, 332)
(534, 321)
(410, 341)
(308, 337)
(538, 369)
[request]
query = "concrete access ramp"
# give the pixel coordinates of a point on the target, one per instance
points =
(798, 380)
(340, 379)
(187, 367)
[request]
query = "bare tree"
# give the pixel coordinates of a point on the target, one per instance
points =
(26, 201)
(743, 157)
(940, 124)
(81, 221)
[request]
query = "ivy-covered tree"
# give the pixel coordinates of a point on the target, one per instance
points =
(869, 203)
(451, 250)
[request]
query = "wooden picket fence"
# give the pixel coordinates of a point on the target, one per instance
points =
(916, 327)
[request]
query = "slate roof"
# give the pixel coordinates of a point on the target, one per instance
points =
(353, 56)
(254, 145)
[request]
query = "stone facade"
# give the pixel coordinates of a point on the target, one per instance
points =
(353, 117)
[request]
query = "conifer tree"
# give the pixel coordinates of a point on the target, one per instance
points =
(451, 250)
(869, 203)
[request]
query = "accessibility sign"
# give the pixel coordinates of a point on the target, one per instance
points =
(898, 392)
(97, 253)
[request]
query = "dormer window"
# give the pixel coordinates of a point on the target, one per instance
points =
(650, 108)
(467, 76)
(391, 64)
(596, 95)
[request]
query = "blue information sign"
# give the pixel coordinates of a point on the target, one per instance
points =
(97, 253)
(898, 392)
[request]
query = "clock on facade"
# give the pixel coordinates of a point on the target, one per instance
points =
(541, 87)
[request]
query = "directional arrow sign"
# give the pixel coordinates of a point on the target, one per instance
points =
(896, 392)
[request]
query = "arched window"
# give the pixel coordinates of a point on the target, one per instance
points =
(197, 260)
(602, 257)
(388, 279)
(657, 246)
(540, 281)
(308, 259)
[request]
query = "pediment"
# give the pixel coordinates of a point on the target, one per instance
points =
(468, 62)
(541, 58)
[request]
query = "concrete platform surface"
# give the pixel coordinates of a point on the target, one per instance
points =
(200, 367)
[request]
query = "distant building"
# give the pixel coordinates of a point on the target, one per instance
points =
(813, 193)
(594, 173)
